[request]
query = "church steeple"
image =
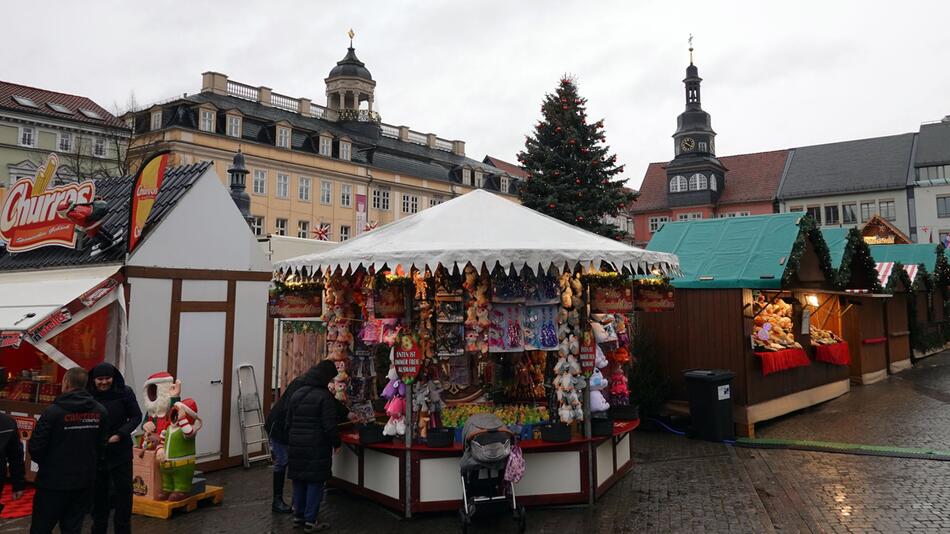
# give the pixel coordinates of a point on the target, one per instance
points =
(694, 134)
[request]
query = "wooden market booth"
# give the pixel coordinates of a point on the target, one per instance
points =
(872, 314)
(490, 242)
(189, 297)
(739, 275)
(927, 268)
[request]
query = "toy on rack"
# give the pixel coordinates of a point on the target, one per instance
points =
(395, 391)
(567, 371)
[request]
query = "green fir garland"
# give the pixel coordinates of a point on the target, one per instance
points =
(808, 230)
(857, 257)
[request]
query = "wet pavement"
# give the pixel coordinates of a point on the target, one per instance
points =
(683, 485)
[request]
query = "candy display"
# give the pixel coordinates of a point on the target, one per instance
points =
(521, 414)
(824, 337)
(773, 325)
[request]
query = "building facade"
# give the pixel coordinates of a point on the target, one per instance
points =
(331, 171)
(929, 184)
(697, 184)
(89, 141)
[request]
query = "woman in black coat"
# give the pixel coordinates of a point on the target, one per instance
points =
(107, 386)
(312, 439)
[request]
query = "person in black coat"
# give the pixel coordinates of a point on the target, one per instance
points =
(107, 386)
(67, 443)
(11, 454)
(312, 439)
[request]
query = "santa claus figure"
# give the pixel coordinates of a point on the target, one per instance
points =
(160, 391)
(177, 454)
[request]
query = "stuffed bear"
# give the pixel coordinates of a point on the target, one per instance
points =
(597, 384)
(619, 393)
(395, 391)
(600, 359)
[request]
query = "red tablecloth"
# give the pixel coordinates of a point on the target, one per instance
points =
(836, 353)
(781, 360)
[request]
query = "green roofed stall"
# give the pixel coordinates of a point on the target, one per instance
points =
(737, 275)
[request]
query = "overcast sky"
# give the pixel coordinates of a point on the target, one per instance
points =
(776, 74)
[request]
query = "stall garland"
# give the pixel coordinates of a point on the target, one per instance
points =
(808, 230)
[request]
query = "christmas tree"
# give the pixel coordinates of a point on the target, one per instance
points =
(571, 172)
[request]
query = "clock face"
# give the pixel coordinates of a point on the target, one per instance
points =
(687, 144)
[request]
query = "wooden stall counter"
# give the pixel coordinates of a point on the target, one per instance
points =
(556, 473)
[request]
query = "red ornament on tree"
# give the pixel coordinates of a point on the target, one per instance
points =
(557, 129)
(563, 107)
(577, 100)
(621, 205)
(557, 173)
(571, 141)
(580, 217)
(564, 101)
(552, 205)
(578, 182)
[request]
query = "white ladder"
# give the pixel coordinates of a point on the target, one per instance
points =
(250, 415)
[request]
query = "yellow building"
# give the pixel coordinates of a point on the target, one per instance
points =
(336, 166)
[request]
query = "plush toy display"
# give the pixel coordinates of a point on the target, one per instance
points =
(395, 391)
(619, 393)
(597, 384)
(177, 454)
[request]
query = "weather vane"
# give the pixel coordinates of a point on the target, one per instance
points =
(690, 48)
(352, 34)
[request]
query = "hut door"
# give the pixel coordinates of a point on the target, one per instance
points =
(898, 330)
(200, 353)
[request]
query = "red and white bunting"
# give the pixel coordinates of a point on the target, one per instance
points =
(884, 270)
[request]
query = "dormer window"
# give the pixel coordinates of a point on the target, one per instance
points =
(345, 150)
(156, 122)
(467, 177)
(234, 126)
(326, 145)
(479, 179)
(678, 184)
(698, 182)
(283, 137)
(207, 120)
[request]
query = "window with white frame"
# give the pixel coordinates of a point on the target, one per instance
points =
(156, 123)
(345, 150)
(657, 222)
(99, 147)
(326, 192)
(479, 179)
(281, 226)
(381, 199)
(283, 185)
(257, 224)
(679, 184)
(260, 183)
(849, 213)
(27, 136)
(344, 232)
(698, 182)
(503, 184)
(831, 214)
(207, 120)
(689, 216)
(467, 176)
(888, 209)
(410, 203)
(234, 126)
(326, 145)
(434, 201)
(346, 195)
(303, 188)
(283, 137)
(867, 210)
(303, 229)
(65, 142)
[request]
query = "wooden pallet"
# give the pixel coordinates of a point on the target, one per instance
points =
(164, 509)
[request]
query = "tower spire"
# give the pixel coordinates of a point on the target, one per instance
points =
(352, 34)
(690, 48)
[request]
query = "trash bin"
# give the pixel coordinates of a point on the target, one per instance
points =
(710, 403)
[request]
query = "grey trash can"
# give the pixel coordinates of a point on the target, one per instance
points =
(710, 403)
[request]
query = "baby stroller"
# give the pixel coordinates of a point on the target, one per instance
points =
(487, 446)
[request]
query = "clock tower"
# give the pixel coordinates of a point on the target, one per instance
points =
(694, 177)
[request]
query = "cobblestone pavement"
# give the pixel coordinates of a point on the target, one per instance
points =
(682, 485)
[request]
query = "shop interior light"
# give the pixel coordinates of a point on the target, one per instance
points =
(812, 300)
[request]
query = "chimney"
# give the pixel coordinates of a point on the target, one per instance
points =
(238, 175)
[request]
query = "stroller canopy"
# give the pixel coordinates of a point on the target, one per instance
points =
(487, 443)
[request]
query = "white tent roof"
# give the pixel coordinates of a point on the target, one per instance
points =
(42, 292)
(480, 227)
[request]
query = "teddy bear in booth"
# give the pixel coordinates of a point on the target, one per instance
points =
(395, 391)
(597, 384)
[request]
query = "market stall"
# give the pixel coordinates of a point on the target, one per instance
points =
(872, 315)
(479, 305)
(178, 287)
(745, 303)
(929, 272)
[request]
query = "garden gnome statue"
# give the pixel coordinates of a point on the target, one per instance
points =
(161, 391)
(177, 454)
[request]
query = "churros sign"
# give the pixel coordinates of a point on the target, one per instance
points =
(28, 217)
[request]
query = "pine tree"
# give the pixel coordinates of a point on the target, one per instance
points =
(571, 173)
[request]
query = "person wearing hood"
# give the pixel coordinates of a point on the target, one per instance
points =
(67, 443)
(107, 386)
(312, 439)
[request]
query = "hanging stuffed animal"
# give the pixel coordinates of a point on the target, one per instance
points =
(619, 392)
(597, 384)
(395, 391)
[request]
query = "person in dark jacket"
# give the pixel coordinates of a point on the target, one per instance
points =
(67, 443)
(11, 454)
(107, 386)
(312, 439)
